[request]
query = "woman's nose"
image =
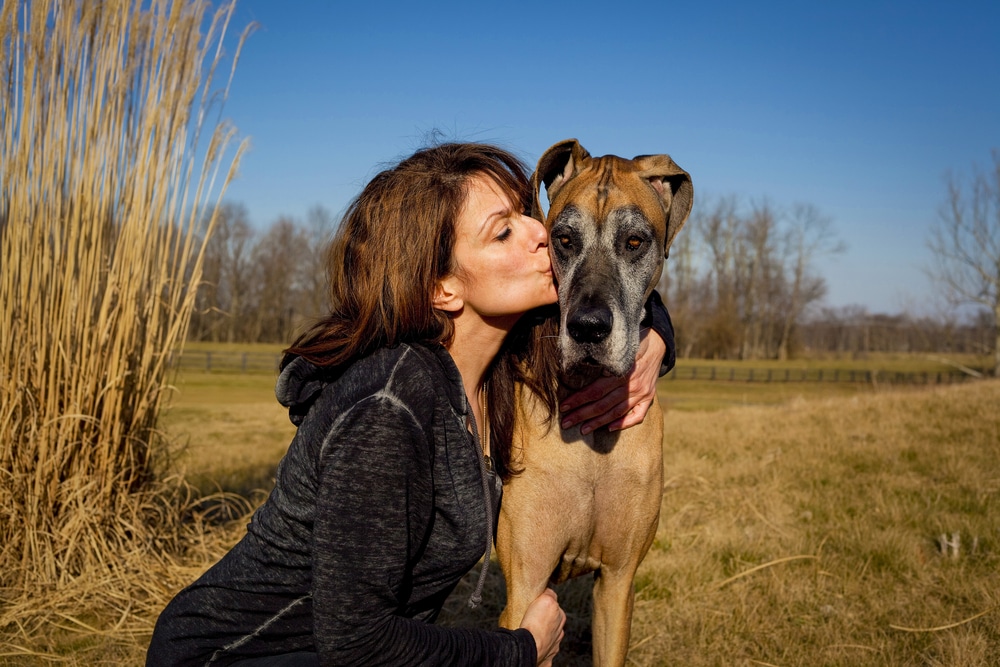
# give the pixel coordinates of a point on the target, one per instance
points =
(538, 233)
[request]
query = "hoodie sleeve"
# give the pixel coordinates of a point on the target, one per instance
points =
(374, 508)
(658, 319)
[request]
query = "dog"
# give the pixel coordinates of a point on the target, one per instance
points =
(591, 503)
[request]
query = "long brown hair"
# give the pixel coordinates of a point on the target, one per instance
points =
(392, 247)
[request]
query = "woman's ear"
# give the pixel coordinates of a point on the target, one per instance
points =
(447, 295)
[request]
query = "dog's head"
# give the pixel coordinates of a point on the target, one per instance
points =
(611, 222)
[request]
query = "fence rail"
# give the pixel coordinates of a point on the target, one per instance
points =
(267, 362)
(212, 361)
(733, 374)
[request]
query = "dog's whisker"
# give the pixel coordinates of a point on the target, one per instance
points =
(641, 330)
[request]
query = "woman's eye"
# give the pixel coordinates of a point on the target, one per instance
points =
(565, 241)
(504, 235)
(633, 243)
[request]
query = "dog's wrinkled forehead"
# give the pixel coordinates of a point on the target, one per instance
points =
(607, 185)
(652, 184)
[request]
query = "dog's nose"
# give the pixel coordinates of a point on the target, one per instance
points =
(590, 324)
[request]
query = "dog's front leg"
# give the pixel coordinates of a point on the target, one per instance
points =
(614, 598)
(525, 562)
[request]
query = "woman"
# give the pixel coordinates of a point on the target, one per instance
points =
(386, 496)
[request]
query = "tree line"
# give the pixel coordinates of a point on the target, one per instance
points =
(741, 282)
(262, 286)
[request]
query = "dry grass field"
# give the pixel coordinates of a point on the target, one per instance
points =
(855, 530)
(805, 525)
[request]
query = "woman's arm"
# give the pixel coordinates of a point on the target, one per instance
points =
(373, 513)
(620, 402)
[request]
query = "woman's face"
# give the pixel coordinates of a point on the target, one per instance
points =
(501, 255)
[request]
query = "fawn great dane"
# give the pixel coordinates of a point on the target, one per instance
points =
(590, 503)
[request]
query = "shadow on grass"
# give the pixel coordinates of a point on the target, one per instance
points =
(574, 597)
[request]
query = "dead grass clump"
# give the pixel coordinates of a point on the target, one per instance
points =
(106, 614)
(104, 180)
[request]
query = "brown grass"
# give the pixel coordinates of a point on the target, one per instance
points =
(810, 534)
(805, 533)
(104, 181)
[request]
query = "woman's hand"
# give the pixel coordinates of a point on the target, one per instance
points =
(618, 402)
(544, 619)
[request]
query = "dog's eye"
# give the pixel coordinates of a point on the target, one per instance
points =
(565, 241)
(633, 243)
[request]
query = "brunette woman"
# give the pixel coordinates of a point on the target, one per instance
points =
(387, 496)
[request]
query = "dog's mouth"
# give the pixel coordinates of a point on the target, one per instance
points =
(595, 359)
(590, 366)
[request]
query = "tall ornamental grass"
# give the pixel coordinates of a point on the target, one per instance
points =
(111, 149)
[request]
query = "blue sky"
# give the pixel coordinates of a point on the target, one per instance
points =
(859, 108)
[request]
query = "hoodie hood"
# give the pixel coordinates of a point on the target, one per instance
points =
(299, 383)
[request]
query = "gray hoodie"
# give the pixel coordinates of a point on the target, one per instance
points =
(377, 511)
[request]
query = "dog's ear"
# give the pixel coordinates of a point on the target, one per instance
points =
(673, 185)
(556, 166)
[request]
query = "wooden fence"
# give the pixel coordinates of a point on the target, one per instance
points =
(267, 362)
(733, 374)
(213, 361)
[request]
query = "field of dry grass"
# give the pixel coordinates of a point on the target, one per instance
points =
(811, 534)
(800, 531)
(821, 532)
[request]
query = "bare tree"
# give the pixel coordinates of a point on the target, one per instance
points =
(758, 279)
(278, 275)
(742, 283)
(320, 225)
(719, 229)
(681, 289)
(224, 294)
(810, 234)
(965, 241)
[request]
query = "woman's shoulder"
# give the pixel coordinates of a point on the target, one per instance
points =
(411, 372)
